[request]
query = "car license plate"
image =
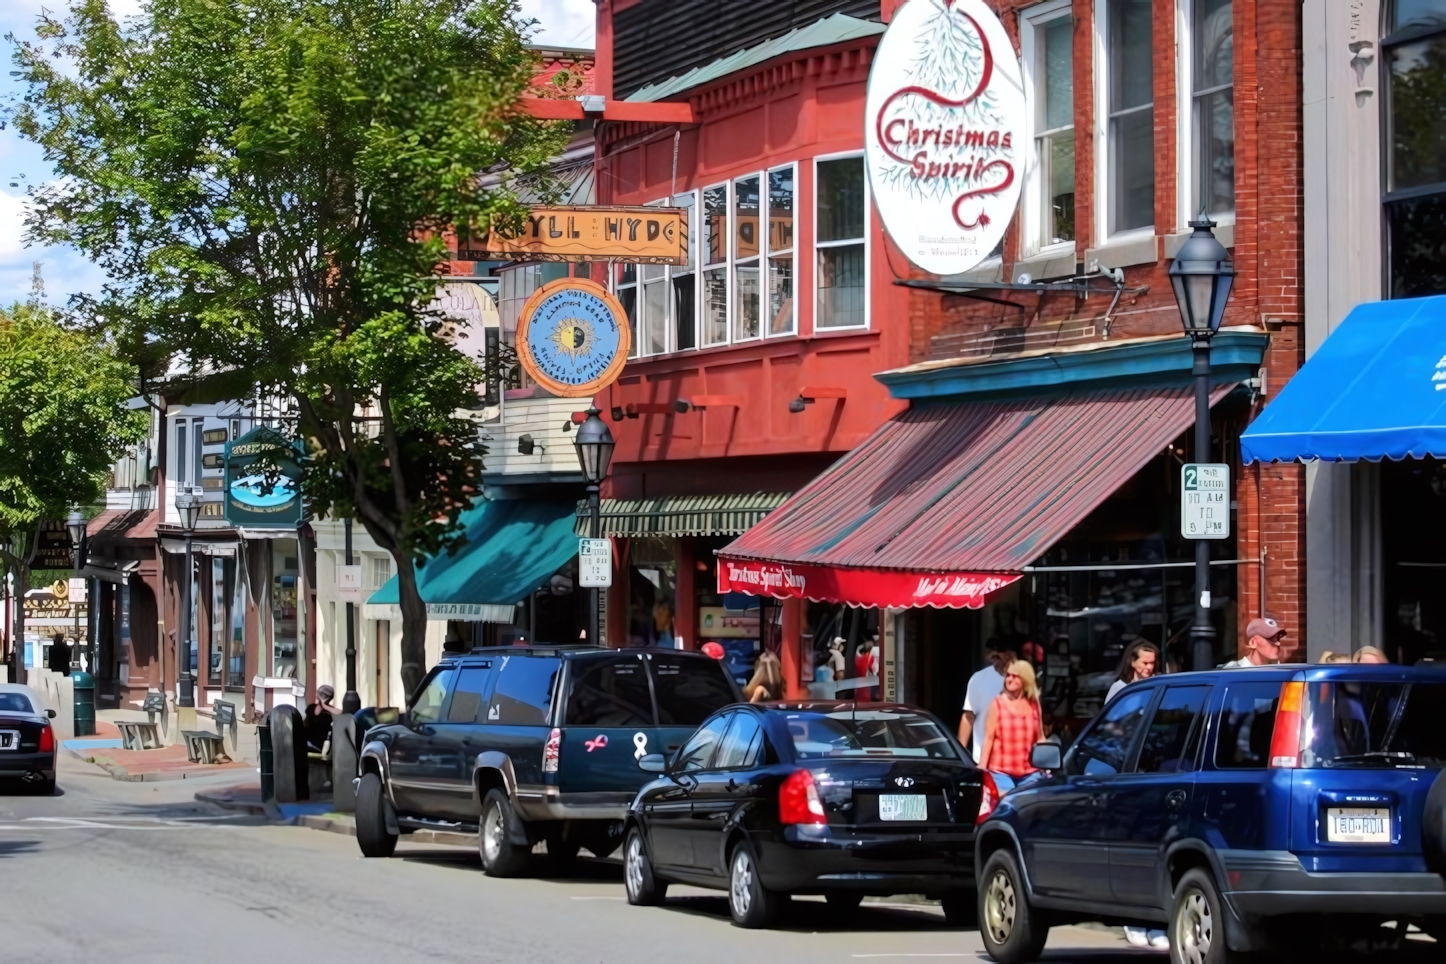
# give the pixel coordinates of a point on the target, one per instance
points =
(1358, 824)
(903, 806)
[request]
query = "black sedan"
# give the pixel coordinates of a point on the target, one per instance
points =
(27, 742)
(840, 799)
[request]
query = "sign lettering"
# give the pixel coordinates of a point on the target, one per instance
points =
(642, 235)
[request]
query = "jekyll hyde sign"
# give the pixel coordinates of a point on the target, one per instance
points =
(945, 142)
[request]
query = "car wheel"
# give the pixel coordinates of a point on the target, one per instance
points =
(1197, 922)
(1013, 931)
(961, 908)
(843, 901)
(500, 856)
(750, 903)
(644, 890)
(371, 818)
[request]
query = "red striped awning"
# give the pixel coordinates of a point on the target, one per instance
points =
(945, 504)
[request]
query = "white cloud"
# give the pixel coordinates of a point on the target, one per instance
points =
(566, 23)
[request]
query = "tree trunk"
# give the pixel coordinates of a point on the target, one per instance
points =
(414, 626)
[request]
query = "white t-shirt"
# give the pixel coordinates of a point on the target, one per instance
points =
(1115, 687)
(984, 686)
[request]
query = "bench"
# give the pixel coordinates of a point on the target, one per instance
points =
(202, 746)
(136, 735)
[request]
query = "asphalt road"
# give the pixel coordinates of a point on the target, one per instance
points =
(142, 872)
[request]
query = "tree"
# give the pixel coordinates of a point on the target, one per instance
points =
(65, 419)
(268, 184)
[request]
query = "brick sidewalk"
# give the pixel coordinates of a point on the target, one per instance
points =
(144, 766)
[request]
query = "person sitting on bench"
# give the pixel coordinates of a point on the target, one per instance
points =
(317, 722)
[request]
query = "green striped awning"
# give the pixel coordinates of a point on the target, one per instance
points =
(687, 515)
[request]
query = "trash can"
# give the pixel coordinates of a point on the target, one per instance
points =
(268, 779)
(84, 685)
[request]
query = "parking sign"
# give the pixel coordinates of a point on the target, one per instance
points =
(1204, 501)
(594, 563)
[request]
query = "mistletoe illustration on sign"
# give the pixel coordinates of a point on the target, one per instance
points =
(946, 110)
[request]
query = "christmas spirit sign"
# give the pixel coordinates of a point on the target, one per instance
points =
(945, 136)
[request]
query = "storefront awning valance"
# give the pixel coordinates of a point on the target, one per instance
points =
(677, 516)
(947, 503)
(1376, 388)
(509, 549)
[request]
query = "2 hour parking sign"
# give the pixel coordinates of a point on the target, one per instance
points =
(1205, 501)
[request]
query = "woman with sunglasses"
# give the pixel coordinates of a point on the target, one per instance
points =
(1015, 723)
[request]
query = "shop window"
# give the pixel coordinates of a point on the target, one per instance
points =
(236, 644)
(839, 242)
(746, 246)
(715, 266)
(660, 300)
(1212, 87)
(1050, 47)
(1414, 52)
(779, 236)
(216, 636)
(285, 610)
(1131, 115)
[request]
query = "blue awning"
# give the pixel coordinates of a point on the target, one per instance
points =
(1375, 389)
(509, 548)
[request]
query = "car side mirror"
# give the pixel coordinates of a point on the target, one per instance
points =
(1046, 756)
(652, 762)
(50, 713)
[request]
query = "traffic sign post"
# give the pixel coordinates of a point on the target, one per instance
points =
(595, 563)
(1205, 500)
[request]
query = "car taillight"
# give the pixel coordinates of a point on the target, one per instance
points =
(1289, 722)
(988, 797)
(552, 751)
(47, 740)
(798, 801)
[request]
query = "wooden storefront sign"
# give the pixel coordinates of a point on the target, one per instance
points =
(639, 235)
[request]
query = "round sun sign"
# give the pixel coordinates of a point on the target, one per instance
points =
(944, 140)
(573, 337)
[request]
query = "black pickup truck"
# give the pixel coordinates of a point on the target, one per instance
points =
(530, 743)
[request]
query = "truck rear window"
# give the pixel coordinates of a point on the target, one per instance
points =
(1369, 724)
(610, 692)
(689, 690)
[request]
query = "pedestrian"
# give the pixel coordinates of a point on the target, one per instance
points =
(1329, 657)
(1369, 655)
(836, 659)
(1139, 662)
(866, 663)
(984, 686)
(1262, 644)
(1015, 723)
(767, 681)
(317, 721)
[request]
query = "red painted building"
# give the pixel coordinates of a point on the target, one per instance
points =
(755, 365)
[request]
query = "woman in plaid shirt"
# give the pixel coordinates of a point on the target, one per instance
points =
(1015, 723)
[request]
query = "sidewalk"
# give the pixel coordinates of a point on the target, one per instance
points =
(105, 750)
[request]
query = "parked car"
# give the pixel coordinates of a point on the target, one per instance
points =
(523, 744)
(831, 798)
(1241, 810)
(27, 741)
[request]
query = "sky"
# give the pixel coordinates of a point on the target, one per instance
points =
(565, 23)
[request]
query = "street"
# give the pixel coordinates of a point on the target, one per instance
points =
(143, 872)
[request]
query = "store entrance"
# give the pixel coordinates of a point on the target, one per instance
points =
(1413, 553)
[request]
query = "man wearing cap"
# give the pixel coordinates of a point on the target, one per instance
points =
(1262, 644)
(317, 720)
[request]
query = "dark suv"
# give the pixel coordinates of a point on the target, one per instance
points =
(531, 743)
(1241, 809)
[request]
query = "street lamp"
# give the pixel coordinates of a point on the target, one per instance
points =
(189, 508)
(75, 525)
(351, 701)
(1202, 275)
(594, 444)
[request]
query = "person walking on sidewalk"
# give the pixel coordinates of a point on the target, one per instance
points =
(1139, 662)
(984, 686)
(1262, 644)
(1015, 724)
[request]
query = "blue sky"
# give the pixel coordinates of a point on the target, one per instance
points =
(567, 23)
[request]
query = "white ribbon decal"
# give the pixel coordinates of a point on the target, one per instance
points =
(640, 743)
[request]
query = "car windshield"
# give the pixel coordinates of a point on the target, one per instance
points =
(867, 733)
(14, 703)
(1368, 724)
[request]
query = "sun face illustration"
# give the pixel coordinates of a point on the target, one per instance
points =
(573, 337)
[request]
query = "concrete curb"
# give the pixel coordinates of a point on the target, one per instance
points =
(256, 809)
(344, 823)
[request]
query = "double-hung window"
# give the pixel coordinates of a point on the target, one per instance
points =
(1131, 114)
(747, 246)
(1212, 106)
(1051, 43)
(1414, 55)
(779, 235)
(660, 299)
(839, 243)
(715, 266)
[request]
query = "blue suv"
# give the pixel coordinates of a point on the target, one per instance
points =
(1239, 809)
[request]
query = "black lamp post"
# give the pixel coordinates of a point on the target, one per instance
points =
(75, 525)
(1202, 275)
(351, 701)
(594, 444)
(189, 509)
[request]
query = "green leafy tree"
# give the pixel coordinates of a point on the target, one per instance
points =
(65, 419)
(268, 184)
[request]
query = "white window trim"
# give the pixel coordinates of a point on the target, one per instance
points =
(815, 245)
(1187, 156)
(726, 264)
(766, 320)
(1032, 240)
(1103, 236)
(734, 303)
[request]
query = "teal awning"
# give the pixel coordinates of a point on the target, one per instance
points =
(509, 548)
